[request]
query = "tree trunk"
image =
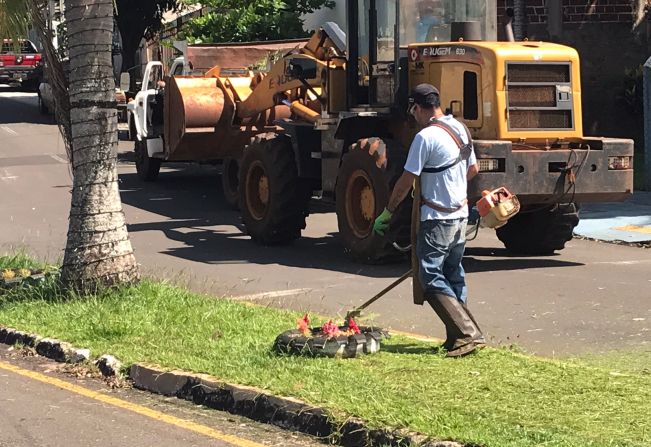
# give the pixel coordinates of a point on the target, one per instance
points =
(98, 249)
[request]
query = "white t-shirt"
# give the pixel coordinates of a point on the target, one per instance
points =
(433, 147)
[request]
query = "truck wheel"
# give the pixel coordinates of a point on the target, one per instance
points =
(366, 177)
(540, 232)
(230, 182)
(41, 106)
(146, 166)
(273, 202)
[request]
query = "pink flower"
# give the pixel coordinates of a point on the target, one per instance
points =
(330, 329)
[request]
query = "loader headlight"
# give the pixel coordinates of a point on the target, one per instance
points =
(618, 163)
(490, 164)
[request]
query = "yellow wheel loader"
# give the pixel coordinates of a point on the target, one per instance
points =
(329, 119)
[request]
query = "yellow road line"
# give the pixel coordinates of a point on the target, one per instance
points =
(636, 228)
(135, 408)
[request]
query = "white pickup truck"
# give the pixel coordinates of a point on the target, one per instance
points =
(144, 115)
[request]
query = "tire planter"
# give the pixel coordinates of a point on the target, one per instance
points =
(15, 277)
(318, 345)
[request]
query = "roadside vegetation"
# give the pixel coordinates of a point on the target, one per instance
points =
(495, 398)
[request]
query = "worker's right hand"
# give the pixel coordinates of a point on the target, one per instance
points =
(381, 224)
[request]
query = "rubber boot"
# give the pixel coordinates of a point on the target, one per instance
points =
(481, 340)
(461, 330)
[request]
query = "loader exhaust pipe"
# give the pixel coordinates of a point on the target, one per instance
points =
(508, 27)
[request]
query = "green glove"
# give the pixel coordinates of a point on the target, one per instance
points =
(381, 224)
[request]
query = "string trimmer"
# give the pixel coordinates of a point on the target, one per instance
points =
(358, 310)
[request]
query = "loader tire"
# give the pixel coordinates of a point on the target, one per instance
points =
(368, 172)
(147, 167)
(541, 232)
(273, 201)
(230, 182)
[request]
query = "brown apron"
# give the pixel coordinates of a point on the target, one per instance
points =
(418, 290)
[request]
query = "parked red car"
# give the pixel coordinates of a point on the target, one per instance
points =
(20, 65)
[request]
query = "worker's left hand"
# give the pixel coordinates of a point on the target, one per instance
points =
(381, 224)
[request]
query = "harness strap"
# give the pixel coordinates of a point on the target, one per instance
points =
(464, 153)
(464, 149)
(442, 209)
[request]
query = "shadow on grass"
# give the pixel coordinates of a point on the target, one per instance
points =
(412, 349)
(51, 290)
(48, 290)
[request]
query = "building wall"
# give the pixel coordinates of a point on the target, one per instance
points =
(603, 33)
(576, 11)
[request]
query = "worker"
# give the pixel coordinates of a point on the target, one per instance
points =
(430, 14)
(442, 160)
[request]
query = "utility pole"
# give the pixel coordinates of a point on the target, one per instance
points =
(555, 20)
(647, 124)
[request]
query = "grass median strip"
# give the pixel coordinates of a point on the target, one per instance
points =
(495, 398)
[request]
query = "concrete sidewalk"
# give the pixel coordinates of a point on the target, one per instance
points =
(628, 221)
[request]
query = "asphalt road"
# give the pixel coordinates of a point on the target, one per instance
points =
(590, 297)
(43, 405)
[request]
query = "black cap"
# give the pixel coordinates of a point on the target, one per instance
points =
(424, 95)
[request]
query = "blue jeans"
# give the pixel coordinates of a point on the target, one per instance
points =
(440, 248)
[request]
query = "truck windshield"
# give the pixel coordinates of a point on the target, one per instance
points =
(429, 20)
(25, 47)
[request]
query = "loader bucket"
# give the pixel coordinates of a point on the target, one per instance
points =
(194, 109)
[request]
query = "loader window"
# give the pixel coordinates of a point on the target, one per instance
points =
(460, 86)
(470, 96)
(429, 20)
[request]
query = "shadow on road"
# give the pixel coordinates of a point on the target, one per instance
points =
(21, 107)
(474, 265)
(190, 201)
(500, 259)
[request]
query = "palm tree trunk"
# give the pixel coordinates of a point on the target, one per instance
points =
(98, 249)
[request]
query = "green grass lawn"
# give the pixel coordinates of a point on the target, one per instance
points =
(495, 398)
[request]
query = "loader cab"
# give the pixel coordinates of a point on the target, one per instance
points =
(371, 40)
(378, 33)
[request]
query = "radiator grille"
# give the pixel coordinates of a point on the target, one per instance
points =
(538, 73)
(543, 119)
(532, 96)
(539, 96)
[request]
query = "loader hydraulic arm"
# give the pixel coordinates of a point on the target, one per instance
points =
(304, 68)
(281, 84)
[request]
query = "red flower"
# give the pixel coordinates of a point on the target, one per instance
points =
(353, 326)
(304, 325)
(330, 329)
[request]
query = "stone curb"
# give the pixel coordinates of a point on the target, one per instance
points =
(58, 350)
(284, 412)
